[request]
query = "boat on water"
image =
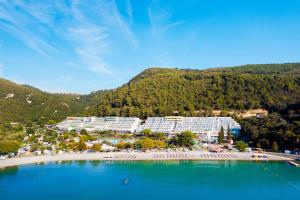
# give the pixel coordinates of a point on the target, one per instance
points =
(125, 181)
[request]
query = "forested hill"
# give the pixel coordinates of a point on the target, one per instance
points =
(26, 104)
(162, 91)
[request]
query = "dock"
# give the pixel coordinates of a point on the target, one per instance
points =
(294, 163)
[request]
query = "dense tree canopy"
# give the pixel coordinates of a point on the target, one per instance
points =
(184, 139)
(277, 131)
(159, 92)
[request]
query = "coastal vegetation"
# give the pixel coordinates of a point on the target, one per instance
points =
(9, 146)
(241, 145)
(277, 131)
(10, 138)
(184, 139)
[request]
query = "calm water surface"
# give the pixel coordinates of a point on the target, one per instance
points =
(151, 180)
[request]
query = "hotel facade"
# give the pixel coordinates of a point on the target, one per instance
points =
(207, 128)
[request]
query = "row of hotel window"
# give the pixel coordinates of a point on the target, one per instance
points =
(170, 124)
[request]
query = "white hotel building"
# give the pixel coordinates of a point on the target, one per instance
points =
(205, 127)
(121, 124)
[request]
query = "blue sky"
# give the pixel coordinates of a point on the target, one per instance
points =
(83, 46)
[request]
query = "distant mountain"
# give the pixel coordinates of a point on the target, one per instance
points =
(163, 91)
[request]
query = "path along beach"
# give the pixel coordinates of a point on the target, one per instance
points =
(139, 156)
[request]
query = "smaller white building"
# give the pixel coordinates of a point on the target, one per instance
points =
(120, 124)
(105, 147)
(11, 95)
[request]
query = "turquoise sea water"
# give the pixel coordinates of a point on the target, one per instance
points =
(151, 180)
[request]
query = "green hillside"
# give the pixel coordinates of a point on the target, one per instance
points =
(22, 103)
(161, 91)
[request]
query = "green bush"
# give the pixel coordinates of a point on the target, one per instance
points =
(9, 146)
(240, 145)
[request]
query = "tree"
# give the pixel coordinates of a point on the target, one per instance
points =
(18, 128)
(221, 136)
(81, 146)
(51, 122)
(274, 146)
(158, 136)
(240, 145)
(73, 133)
(96, 147)
(229, 137)
(146, 132)
(128, 145)
(147, 143)
(34, 147)
(83, 138)
(9, 146)
(83, 132)
(121, 145)
(30, 131)
(185, 139)
(159, 144)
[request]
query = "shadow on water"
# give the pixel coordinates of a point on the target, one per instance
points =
(95, 163)
(81, 162)
(9, 171)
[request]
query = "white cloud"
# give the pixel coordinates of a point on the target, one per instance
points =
(90, 46)
(87, 28)
(129, 11)
(160, 19)
(90, 38)
(18, 24)
(111, 17)
(89, 41)
(41, 12)
(37, 44)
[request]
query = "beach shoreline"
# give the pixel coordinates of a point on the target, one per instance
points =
(141, 156)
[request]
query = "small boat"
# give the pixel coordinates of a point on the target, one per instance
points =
(125, 181)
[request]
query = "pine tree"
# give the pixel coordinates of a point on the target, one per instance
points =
(275, 146)
(221, 136)
(229, 137)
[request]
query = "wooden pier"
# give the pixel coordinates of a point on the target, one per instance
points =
(294, 163)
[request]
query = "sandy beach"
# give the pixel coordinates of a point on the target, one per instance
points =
(139, 156)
